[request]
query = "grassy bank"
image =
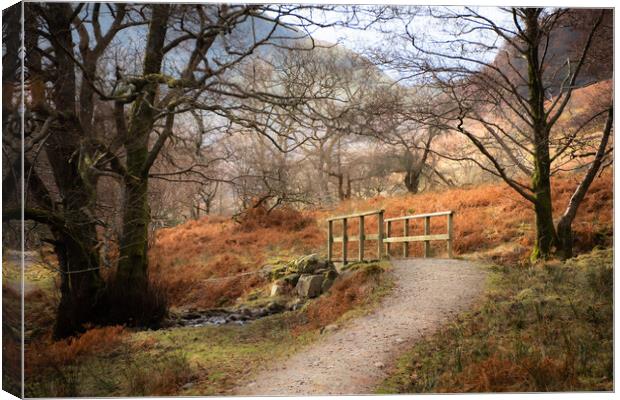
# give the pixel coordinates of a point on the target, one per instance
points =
(491, 219)
(547, 327)
(206, 360)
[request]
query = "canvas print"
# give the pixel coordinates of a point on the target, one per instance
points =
(294, 199)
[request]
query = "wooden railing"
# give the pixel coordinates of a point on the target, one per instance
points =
(426, 238)
(361, 237)
(386, 239)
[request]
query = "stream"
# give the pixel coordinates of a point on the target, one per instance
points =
(220, 316)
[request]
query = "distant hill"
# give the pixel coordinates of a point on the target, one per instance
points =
(566, 43)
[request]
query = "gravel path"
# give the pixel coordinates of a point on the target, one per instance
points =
(354, 359)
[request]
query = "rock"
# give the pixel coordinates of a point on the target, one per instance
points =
(275, 307)
(188, 385)
(328, 280)
(278, 288)
(295, 304)
(306, 265)
(192, 315)
(258, 313)
(330, 328)
(273, 272)
(291, 279)
(232, 317)
(379, 364)
(309, 285)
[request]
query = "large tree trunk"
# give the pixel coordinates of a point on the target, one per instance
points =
(412, 181)
(131, 286)
(546, 237)
(80, 285)
(76, 240)
(134, 241)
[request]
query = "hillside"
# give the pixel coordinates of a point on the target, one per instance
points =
(491, 222)
(568, 36)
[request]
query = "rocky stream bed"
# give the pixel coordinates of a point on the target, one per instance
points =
(292, 284)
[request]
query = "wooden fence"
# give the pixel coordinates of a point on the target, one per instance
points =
(386, 239)
(426, 238)
(361, 237)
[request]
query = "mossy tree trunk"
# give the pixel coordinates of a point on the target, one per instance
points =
(546, 237)
(132, 277)
(76, 242)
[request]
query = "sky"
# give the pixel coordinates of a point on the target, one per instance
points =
(358, 38)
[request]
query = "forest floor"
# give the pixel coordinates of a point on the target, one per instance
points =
(355, 358)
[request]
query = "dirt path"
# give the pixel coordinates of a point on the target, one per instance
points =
(354, 359)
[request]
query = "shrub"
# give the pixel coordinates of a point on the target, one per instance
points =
(96, 341)
(284, 217)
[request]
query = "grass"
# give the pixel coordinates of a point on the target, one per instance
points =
(490, 219)
(547, 327)
(191, 361)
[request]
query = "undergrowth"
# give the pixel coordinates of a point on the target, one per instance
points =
(548, 327)
(116, 361)
(490, 220)
(357, 288)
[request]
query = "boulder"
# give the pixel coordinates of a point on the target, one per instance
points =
(309, 285)
(328, 280)
(291, 279)
(306, 265)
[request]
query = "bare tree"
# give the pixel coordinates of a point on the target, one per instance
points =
(190, 59)
(508, 105)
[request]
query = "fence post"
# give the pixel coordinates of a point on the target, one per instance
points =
(450, 233)
(406, 233)
(361, 239)
(345, 241)
(330, 239)
(389, 234)
(427, 231)
(380, 238)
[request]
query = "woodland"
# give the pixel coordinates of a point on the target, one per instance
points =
(161, 156)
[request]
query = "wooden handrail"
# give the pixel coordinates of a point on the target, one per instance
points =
(361, 214)
(361, 238)
(426, 238)
(436, 214)
(381, 237)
